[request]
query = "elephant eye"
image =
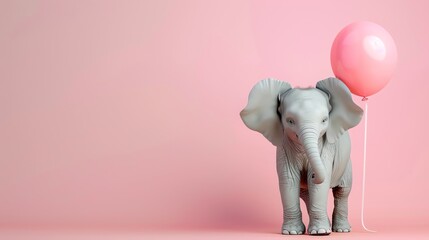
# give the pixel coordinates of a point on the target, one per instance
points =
(325, 120)
(290, 121)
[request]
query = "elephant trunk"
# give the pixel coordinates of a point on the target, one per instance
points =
(310, 140)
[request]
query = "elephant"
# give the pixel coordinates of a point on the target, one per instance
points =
(309, 127)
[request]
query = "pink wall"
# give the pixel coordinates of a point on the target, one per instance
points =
(125, 113)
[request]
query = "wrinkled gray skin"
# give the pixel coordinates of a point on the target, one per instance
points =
(309, 128)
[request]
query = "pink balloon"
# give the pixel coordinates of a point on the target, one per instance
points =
(364, 56)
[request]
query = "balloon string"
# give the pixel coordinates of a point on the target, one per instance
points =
(364, 166)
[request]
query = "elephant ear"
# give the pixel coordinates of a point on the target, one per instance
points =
(345, 113)
(260, 114)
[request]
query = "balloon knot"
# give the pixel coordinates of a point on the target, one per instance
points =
(364, 99)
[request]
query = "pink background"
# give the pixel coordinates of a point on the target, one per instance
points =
(124, 114)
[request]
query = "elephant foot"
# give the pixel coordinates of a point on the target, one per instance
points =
(340, 224)
(319, 226)
(293, 227)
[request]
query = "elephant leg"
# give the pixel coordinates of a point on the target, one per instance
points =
(317, 207)
(341, 193)
(340, 221)
(289, 183)
(292, 216)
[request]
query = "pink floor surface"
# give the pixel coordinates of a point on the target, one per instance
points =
(17, 234)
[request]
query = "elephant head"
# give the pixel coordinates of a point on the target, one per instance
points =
(303, 116)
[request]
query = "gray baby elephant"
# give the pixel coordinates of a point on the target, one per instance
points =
(309, 128)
